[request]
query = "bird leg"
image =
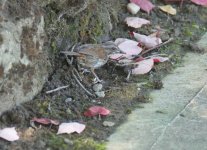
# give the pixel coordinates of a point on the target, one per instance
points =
(95, 75)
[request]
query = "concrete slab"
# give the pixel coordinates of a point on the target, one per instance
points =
(180, 126)
(202, 43)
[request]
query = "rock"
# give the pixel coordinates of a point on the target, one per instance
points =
(165, 37)
(24, 64)
(68, 100)
(97, 87)
(67, 141)
(100, 94)
(108, 124)
(133, 8)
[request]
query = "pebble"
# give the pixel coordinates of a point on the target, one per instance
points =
(100, 94)
(67, 141)
(108, 124)
(97, 87)
(133, 8)
(68, 100)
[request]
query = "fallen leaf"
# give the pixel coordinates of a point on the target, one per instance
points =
(200, 2)
(9, 134)
(143, 67)
(96, 110)
(168, 9)
(160, 59)
(120, 40)
(136, 22)
(145, 5)
(139, 59)
(147, 41)
(45, 121)
(133, 8)
(108, 124)
(130, 47)
(71, 127)
(28, 134)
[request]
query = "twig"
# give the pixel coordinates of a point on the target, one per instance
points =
(78, 74)
(57, 89)
(168, 41)
(81, 85)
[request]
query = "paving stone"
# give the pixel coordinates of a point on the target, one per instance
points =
(183, 126)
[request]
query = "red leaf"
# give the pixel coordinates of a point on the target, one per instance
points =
(96, 110)
(160, 59)
(45, 121)
(200, 2)
(156, 60)
(145, 5)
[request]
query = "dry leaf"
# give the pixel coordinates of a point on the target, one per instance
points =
(145, 5)
(160, 59)
(45, 121)
(133, 8)
(130, 47)
(200, 2)
(71, 128)
(136, 22)
(96, 110)
(119, 41)
(9, 134)
(168, 9)
(143, 67)
(147, 41)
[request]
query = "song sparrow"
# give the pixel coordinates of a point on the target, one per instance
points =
(92, 56)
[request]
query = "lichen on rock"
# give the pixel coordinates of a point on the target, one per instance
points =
(23, 61)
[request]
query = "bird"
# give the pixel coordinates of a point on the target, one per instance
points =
(92, 56)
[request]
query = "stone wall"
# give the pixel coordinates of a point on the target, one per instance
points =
(23, 59)
(32, 32)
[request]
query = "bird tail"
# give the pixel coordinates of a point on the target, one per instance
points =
(70, 53)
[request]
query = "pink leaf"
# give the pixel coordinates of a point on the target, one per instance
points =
(71, 127)
(139, 59)
(96, 110)
(130, 47)
(46, 121)
(136, 22)
(145, 5)
(147, 41)
(160, 59)
(119, 41)
(143, 67)
(200, 2)
(9, 134)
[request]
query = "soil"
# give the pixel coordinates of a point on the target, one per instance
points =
(121, 96)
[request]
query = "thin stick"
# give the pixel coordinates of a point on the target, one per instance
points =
(81, 85)
(168, 41)
(57, 89)
(78, 74)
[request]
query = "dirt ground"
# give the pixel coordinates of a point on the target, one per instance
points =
(121, 97)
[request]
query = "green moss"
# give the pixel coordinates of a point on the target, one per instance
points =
(87, 144)
(43, 107)
(56, 142)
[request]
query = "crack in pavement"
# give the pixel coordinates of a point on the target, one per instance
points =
(176, 117)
